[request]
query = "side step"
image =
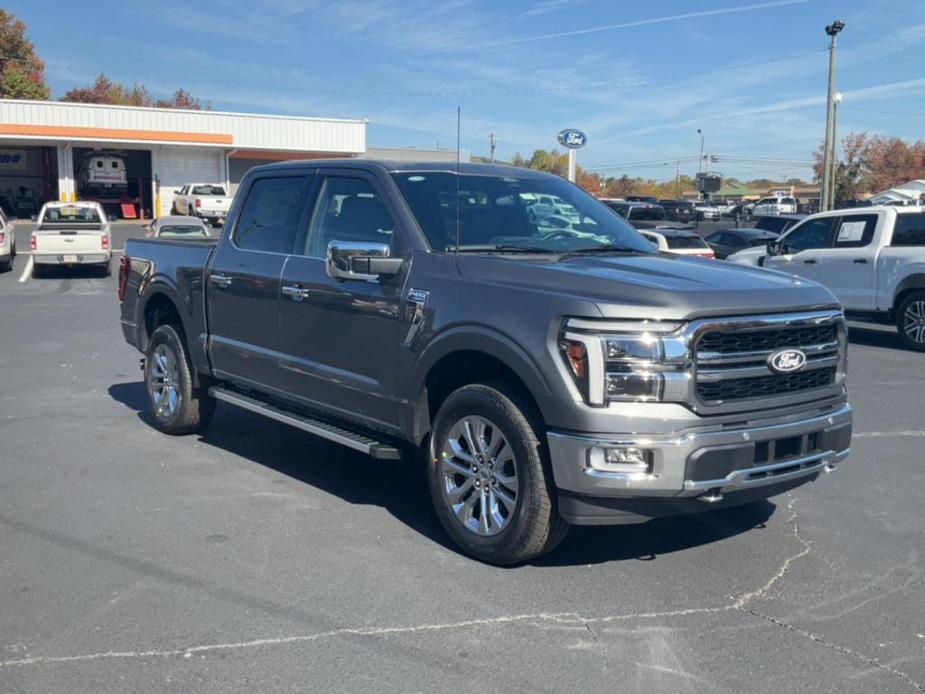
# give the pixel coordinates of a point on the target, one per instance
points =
(344, 437)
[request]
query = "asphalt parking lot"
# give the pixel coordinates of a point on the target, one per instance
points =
(255, 558)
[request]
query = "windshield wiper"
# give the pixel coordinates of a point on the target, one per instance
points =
(606, 248)
(505, 248)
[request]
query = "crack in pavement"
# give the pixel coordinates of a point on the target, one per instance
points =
(739, 604)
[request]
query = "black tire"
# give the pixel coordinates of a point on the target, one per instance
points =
(37, 270)
(6, 265)
(535, 526)
(194, 407)
(106, 270)
(911, 327)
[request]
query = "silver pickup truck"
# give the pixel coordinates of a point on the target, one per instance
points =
(546, 377)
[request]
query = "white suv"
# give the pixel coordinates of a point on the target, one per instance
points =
(767, 206)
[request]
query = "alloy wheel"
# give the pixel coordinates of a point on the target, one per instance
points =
(914, 322)
(164, 382)
(479, 474)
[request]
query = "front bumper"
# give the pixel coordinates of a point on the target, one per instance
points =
(70, 258)
(707, 463)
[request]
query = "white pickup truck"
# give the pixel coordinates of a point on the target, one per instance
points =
(872, 259)
(71, 233)
(205, 200)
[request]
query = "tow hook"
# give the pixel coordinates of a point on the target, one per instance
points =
(711, 496)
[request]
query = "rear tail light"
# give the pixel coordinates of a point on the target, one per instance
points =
(198, 203)
(124, 265)
(32, 242)
(105, 240)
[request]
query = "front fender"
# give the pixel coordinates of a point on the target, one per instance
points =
(489, 341)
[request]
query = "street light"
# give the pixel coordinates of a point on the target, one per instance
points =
(827, 193)
(700, 161)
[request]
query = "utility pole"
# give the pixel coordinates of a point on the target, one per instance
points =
(828, 184)
(700, 161)
(677, 178)
(833, 160)
(492, 140)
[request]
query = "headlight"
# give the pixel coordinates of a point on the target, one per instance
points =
(625, 361)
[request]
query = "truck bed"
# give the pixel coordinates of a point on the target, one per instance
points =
(173, 263)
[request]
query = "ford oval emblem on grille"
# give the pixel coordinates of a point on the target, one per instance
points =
(787, 361)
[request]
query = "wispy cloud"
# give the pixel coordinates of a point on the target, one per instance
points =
(547, 6)
(627, 25)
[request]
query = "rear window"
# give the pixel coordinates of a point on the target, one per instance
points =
(71, 215)
(909, 230)
(182, 230)
(208, 190)
(686, 242)
(650, 214)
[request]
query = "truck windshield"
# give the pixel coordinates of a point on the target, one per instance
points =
(503, 213)
(71, 215)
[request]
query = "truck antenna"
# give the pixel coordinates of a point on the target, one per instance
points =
(458, 130)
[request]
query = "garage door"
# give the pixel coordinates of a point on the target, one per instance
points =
(178, 166)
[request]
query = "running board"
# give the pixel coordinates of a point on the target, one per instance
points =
(350, 439)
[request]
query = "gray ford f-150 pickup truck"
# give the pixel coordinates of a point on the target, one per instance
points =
(550, 376)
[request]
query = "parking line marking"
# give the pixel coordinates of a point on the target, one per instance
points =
(26, 271)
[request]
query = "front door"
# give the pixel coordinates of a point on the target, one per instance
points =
(244, 280)
(848, 267)
(803, 247)
(340, 338)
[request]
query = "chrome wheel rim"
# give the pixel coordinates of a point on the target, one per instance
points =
(479, 473)
(164, 382)
(914, 322)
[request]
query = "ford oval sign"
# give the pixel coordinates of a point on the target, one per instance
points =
(787, 361)
(573, 139)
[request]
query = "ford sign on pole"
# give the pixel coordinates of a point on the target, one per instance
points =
(572, 139)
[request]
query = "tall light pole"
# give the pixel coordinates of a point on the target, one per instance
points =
(828, 184)
(700, 161)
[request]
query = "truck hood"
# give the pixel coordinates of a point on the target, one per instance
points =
(662, 286)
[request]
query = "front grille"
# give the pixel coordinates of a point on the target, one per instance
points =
(764, 386)
(730, 342)
(732, 361)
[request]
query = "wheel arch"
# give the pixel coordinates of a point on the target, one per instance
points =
(909, 284)
(463, 357)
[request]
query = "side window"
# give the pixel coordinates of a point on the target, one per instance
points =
(812, 234)
(909, 230)
(270, 216)
(733, 241)
(347, 209)
(855, 231)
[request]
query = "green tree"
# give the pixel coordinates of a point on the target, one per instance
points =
(22, 75)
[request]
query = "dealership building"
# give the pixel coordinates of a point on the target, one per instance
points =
(43, 145)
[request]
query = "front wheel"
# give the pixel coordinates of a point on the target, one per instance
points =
(490, 482)
(175, 405)
(910, 321)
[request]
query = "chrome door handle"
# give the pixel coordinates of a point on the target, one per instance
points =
(295, 292)
(223, 281)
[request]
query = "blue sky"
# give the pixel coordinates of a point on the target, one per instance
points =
(638, 78)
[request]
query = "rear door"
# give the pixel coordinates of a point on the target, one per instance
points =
(244, 279)
(340, 339)
(803, 247)
(849, 266)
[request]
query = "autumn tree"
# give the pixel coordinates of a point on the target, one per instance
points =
(22, 75)
(870, 164)
(104, 91)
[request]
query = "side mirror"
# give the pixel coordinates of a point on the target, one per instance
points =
(351, 260)
(776, 248)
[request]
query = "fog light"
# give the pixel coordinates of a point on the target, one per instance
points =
(621, 459)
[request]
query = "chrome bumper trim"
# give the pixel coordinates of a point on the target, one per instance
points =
(570, 455)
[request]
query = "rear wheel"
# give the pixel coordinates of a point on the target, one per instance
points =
(7, 265)
(910, 321)
(175, 404)
(489, 479)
